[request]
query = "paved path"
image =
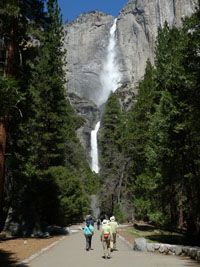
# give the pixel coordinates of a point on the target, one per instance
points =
(71, 252)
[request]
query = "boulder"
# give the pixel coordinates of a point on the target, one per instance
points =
(178, 250)
(150, 247)
(163, 249)
(140, 244)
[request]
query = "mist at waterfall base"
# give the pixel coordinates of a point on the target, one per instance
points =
(110, 80)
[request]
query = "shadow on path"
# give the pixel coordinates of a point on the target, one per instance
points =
(7, 259)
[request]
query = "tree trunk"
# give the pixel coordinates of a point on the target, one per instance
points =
(8, 72)
(3, 121)
(173, 211)
(120, 185)
(181, 219)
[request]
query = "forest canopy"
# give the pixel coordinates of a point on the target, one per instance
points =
(43, 168)
(151, 153)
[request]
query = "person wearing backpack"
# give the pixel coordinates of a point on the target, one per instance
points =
(89, 220)
(88, 233)
(106, 237)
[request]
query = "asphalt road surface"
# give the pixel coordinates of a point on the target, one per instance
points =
(71, 252)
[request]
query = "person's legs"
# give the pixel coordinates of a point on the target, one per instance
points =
(108, 247)
(87, 242)
(114, 241)
(90, 242)
(111, 245)
(105, 250)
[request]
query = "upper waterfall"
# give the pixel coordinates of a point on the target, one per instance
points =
(110, 76)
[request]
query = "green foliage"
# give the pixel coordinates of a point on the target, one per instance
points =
(112, 161)
(62, 199)
(163, 131)
(118, 213)
(47, 164)
(9, 94)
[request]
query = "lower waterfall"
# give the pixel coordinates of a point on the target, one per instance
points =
(94, 149)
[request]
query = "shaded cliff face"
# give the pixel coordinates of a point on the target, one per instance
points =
(90, 113)
(138, 23)
(86, 41)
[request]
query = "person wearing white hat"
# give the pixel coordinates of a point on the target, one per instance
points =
(106, 237)
(113, 226)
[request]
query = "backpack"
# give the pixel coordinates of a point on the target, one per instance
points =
(87, 231)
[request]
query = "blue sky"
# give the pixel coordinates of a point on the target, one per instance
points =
(72, 8)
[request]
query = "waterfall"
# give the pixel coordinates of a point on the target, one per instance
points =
(94, 149)
(110, 78)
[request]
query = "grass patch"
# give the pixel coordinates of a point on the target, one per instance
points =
(156, 235)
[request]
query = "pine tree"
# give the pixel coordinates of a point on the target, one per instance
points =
(111, 153)
(13, 30)
(135, 142)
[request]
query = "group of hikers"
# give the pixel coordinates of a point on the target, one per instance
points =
(108, 234)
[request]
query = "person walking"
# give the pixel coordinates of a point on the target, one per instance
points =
(98, 223)
(89, 220)
(114, 229)
(88, 233)
(106, 237)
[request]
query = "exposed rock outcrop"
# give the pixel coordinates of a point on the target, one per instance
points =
(138, 23)
(90, 113)
(86, 41)
(126, 96)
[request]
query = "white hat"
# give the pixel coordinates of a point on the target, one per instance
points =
(105, 222)
(112, 218)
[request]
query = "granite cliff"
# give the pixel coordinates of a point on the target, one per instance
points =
(86, 40)
(138, 23)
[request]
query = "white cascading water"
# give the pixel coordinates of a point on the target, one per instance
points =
(94, 149)
(110, 79)
(110, 76)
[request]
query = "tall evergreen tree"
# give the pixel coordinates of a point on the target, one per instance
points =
(111, 153)
(13, 29)
(135, 143)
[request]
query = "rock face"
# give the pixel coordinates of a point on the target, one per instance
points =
(90, 113)
(138, 23)
(86, 41)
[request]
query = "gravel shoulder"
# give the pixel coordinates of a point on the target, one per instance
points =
(18, 249)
